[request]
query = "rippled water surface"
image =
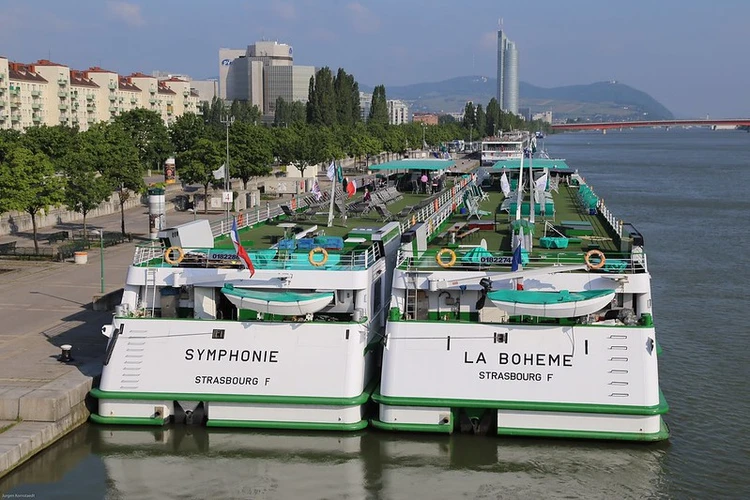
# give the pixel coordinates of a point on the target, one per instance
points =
(687, 192)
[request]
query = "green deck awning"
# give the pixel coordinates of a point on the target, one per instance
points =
(425, 164)
(514, 164)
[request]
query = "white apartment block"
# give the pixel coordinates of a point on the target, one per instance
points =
(398, 112)
(47, 93)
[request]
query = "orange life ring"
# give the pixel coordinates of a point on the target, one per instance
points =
(595, 253)
(168, 256)
(435, 205)
(443, 263)
(311, 256)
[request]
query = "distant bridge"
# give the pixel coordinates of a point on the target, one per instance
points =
(648, 123)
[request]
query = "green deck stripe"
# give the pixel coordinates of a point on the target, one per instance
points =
(100, 419)
(661, 435)
(236, 398)
(659, 409)
(435, 428)
(305, 426)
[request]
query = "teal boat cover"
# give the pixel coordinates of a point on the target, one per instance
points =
(533, 297)
(286, 296)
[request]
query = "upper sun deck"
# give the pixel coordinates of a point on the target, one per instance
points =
(570, 222)
(291, 235)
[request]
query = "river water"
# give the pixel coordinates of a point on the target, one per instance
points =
(687, 192)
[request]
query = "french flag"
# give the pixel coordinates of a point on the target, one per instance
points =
(241, 252)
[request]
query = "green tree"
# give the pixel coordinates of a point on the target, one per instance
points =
(85, 187)
(322, 99)
(55, 142)
(493, 118)
(116, 158)
(251, 153)
(185, 132)
(149, 135)
(481, 121)
(28, 182)
(378, 107)
(303, 146)
(243, 111)
(470, 117)
(197, 164)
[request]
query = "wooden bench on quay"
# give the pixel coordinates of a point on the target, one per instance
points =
(8, 248)
(58, 236)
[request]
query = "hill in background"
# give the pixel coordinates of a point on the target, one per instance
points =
(601, 101)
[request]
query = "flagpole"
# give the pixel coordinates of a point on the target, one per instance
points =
(532, 189)
(333, 195)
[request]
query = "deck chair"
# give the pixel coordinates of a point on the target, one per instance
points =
(384, 213)
(472, 205)
(291, 214)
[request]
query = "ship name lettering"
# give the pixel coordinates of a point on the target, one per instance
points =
(535, 359)
(512, 376)
(245, 355)
(479, 358)
(210, 379)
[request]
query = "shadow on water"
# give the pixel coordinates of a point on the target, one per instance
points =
(195, 462)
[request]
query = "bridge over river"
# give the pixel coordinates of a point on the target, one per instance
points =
(651, 123)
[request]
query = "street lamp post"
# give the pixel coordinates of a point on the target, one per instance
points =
(228, 122)
(424, 143)
(101, 257)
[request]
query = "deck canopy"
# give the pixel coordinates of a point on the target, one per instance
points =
(414, 165)
(514, 164)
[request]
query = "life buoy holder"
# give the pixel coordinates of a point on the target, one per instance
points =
(594, 253)
(443, 263)
(168, 255)
(316, 250)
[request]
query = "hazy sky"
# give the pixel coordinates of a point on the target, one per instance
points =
(690, 55)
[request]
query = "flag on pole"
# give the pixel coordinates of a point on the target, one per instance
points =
(339, 173)
(219, 172)
(331, 173)
(351, 188)
(516, 263)
(241, 252)
(504, 185)
(541, 183)
(316, 191)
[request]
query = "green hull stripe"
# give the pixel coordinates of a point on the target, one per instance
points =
(236, 398)
(305, 426)
(661, 435)
(99, 419)
(659, 409)
(435, 428)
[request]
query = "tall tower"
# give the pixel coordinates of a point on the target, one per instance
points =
(501, 43)
(510, 79)
(507, 72)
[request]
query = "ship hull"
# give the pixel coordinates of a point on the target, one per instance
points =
(237, 374)
(554, 381)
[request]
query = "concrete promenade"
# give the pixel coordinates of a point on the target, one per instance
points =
(44, 305)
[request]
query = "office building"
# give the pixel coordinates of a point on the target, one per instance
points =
(48, 93)
(262, 73)
(507, 73)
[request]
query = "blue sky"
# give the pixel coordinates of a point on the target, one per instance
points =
(690, 55)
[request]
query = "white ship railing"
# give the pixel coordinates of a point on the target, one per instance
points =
(621, 263)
